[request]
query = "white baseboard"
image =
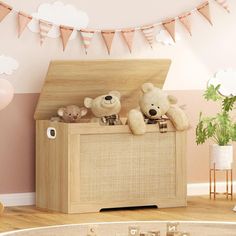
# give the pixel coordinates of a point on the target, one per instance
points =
(27, 199)
(18, 199)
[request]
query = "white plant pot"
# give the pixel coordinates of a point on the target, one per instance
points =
(221, 156)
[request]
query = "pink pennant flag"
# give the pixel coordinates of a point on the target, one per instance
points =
(224, 4)
(169, 25)
(23, 21)
(204, 10)
(148, 33)
(65, 35)
(87, 36)
(128, 35)
(108, 36)
(44, 28)
(184, 19)
(4, 10)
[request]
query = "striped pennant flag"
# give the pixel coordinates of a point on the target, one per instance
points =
(23, 20)
(65, 35)
(169, 25)
(148, 33)
(224, 4)
(4, 10)
(44, 28)
(128, 35)
(108, 36)
(87, 36)
(184, 19)
(204, 10)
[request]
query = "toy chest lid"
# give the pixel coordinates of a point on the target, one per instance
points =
(69, 82)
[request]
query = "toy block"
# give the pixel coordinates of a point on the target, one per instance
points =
(172, 227)
(154, 233)
(185, 234)
(173, 234)
(144, 234)
(134, 231)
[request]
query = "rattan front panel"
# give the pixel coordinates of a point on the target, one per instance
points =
(123, 167)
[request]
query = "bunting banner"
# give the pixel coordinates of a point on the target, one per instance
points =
(224, 4)
(65, 35)
(148, 33)
(169, 25)
(128, 36)
(184, 19)
(204, 10)
(44, 28)
(4, 10)
(108, 36)
(87, 37)
(23, 20)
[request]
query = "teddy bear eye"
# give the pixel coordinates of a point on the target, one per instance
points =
(152, 104)
(158, 107)
(69, 114)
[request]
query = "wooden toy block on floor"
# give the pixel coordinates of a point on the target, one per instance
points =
(86, 167)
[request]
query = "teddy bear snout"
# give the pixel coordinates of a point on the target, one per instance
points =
(108, 98)
(152, 112)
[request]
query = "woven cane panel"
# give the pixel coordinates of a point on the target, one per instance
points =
(122, 167)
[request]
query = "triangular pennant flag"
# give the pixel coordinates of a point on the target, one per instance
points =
(44, 28)
(87, 36)
(65, 35)
(184, 19)
(148, 33)
(224, 4)
(128, 36)
(170, 27)
(204, 9)
(108, 36)
(23, 21)
(4, 10)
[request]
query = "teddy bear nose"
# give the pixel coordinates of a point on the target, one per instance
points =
(152, 112)
(108, 98)
(75, 117)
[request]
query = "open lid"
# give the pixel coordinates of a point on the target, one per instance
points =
(69, 82)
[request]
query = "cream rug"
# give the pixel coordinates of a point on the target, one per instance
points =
(124, 228)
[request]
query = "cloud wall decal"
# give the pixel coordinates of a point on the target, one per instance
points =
(59, 14)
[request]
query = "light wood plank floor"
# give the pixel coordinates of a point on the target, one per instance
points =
(199, 208)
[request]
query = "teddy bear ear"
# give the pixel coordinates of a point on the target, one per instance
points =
(61, 111)
(88, 102)
(115, 93)
(83, 111)
(147, 87)
(172, 99)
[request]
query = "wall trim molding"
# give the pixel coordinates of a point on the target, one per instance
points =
(27, 199)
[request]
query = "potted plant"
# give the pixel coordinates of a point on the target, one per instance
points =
(221, 128)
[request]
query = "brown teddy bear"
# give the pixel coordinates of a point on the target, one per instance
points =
(154, 103)
(70, 114)
(105, 108)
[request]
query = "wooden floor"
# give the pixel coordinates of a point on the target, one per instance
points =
(199, 208)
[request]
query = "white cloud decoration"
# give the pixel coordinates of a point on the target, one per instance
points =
(59, 14)
(164, 38)
(227, 81)
(7, 65)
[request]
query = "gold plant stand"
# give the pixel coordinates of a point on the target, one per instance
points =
(229, 183)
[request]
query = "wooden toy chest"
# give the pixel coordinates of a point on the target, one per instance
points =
(86, 167)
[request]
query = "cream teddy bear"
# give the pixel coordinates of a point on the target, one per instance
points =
(105, 108)
(155, 103)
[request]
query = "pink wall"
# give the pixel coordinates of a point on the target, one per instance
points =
(194, 60)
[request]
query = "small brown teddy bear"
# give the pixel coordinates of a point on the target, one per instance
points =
(105, 108)
(70, 114)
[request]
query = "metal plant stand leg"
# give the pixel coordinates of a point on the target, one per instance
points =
(228, 177)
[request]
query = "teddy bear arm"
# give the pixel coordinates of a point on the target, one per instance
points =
(178, 118)
(136, 122)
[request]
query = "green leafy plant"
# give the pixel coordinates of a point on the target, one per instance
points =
(221, 128)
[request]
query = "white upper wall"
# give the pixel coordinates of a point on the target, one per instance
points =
(194, 59)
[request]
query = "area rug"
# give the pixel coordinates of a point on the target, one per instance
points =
(140, 228)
